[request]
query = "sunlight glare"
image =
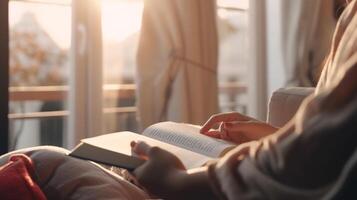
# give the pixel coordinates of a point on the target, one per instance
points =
(55, 20)
(120, 19)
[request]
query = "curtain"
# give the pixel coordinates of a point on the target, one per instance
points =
(177, 62)
(85, 97)
(307, 29)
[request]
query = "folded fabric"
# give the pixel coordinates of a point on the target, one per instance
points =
(16, 180)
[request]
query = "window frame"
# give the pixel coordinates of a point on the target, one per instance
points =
(257, 82)
(4, 79)
(258, 77)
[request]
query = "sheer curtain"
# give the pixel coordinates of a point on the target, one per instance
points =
(307, 28)
(177, 61)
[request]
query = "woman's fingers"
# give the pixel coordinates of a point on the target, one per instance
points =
(226, 129)
(242, 126)
(237, 131)
(220, 133)
(214, 134)
(251, 130)
(224, 117)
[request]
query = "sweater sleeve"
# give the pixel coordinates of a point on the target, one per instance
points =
(294, 163)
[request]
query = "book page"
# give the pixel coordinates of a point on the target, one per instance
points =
(188, 136)
(120, 143)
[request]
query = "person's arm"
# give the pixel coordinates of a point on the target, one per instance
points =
(195, 185)
(164, 175)
(236, 127)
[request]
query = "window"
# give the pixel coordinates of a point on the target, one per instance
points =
(232, 22)
(40, 65)
(120, 41)
(40, 39)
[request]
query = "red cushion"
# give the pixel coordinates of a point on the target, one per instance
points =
(16, 181)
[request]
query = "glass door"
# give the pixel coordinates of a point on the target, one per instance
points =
(40, 43)
(121, 22)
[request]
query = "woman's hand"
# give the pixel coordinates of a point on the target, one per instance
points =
(236, 128)
(161, 172)
(164, 175)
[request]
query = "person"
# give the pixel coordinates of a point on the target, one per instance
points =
(314, 156)
(309, 158)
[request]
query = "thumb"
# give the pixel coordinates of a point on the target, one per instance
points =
(142, 149)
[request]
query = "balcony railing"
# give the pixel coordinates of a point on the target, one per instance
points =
(122, 91)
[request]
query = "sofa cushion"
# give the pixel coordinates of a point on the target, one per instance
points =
(284, 103)
(16, 180)
(64, 177)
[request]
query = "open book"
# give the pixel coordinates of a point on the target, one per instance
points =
(183, 140)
